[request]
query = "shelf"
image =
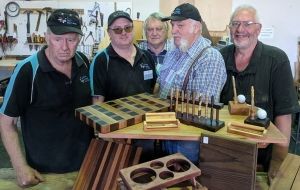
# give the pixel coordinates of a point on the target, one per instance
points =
(35, 10)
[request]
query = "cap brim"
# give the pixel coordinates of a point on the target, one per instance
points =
(59, 30)
(175, 18)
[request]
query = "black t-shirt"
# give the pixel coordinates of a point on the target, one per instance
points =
(55, 141)
(270, 73)
(114, 77)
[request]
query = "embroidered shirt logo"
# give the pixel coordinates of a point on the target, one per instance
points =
(145, 66)
(84, 79)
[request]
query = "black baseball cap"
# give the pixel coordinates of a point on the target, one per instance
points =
(118, 14)
(184, 11)
(63, 21)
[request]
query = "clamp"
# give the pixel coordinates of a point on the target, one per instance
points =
(90, 34)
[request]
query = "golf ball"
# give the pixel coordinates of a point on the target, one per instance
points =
(261, 114)
(241, 99)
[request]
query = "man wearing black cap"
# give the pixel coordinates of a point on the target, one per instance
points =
(44, 91)
(122, 69)
(193, 66)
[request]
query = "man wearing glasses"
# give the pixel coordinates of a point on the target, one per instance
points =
(44, 91)
(267, 68)
(122, 69)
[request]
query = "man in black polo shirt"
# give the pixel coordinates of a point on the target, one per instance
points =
(266, 68)
(44, 91)
(122, 69)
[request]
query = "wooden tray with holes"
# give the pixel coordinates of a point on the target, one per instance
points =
(161, 121)
(246, 130)
(160, 173)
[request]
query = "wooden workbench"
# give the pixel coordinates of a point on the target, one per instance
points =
(187, 132)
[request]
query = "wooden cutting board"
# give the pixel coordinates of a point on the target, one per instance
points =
(120, 113)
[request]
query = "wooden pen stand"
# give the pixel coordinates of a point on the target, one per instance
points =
(200, 121)
(160, 121)
(238, 108)
(246, 130)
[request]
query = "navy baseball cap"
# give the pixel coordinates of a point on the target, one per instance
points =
(118, 14)
(184, 11)
(63, 21)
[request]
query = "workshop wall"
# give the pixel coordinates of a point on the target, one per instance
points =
(92, 33)
(280, 20)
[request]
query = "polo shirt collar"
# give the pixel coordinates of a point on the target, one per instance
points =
(113, 53)
(162, 52)
(255, 59)
(45, 64)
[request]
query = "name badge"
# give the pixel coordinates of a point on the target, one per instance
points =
(148, 74)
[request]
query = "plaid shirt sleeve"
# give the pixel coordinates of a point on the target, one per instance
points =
(209, 75)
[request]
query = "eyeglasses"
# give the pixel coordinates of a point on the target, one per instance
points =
(119, 30)
(245, 24)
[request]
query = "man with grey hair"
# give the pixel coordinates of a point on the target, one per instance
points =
(193, 66)
(157, 42)
(267, 68)
(44, 91)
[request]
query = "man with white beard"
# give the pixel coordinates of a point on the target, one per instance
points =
(193, 66)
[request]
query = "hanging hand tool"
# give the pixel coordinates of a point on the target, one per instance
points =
(12, 8)
(15, 31)
(35, 41)
(38, 20)
(5, 24)
(2, 43)
(2, 24)
(84, 27)
(47, 10)
(100, 27)
(96, 26)
(4, 38)
(29, 40)
(15, 34)
(90, 34)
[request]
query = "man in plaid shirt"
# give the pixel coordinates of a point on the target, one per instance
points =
(207, 75)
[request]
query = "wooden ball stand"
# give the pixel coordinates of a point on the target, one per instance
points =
(253, 119)
(236, 108)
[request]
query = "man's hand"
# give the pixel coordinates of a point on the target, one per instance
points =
(27, 176)
(279, 152)
(278, 155)
(274, 170)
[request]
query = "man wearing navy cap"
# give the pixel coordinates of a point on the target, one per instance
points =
(193, 66)
(44, 91)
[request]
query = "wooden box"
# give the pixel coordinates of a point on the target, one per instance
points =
(227, 164)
